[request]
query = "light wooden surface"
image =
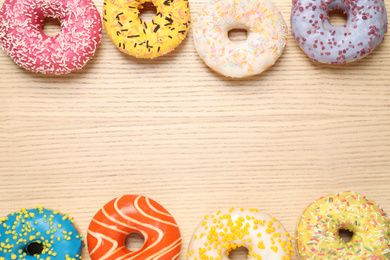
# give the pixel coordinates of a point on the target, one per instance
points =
(194, 141)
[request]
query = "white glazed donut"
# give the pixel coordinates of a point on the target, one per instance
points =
(260, 233)
(323, 42)
(266, 36)
(21, 34)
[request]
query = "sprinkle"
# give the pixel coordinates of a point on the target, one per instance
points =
(235, 228)
(39, 226)
(267, 28)
(31, 49)
(323, 218)
(345, 43)
(148, 39)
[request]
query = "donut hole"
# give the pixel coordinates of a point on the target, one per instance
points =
(345, 235)
(134, 241)
(34, 248)
(239, 253)
(147, 11)
(238, 34)
(51, 26)
(338, 17)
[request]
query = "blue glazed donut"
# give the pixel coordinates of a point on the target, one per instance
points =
(39, 233)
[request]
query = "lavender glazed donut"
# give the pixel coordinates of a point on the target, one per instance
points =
(21, 34)
(326, 43)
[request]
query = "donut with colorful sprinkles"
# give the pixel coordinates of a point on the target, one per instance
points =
(22, 38)
(220, 233)
(265, 42)
(133, 36)
(320, 229)
(326, 43)
(128, 214)
(39, 233)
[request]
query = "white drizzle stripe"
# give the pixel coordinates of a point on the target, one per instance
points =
(156, 210)
(159, 231)
(133, 213)
(151, 217)
(110, 227)
(161, 253)
(126, 225)
(113, 219)
(176, 256)
(166, 250)
(119, 249)
(131, 252)
(101, 236)
(99, 241)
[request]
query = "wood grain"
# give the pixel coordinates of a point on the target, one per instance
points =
(194, 141)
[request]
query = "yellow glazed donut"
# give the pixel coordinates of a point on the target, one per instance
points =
(318, 229)
(142, 39)
(220, 233)
(266, 36)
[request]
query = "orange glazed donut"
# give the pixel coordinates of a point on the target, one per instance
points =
(133, 214)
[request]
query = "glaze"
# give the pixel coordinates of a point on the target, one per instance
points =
(21, 34)
(54, 234)
(141, 39)
(326, 43)
(266, 36)
(127, 214)
(318, 229)
(260, 233)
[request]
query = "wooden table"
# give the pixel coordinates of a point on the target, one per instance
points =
(194, 141)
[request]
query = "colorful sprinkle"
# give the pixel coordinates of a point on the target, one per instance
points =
(266, 36)
(318, 229)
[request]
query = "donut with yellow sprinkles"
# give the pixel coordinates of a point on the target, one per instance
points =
(39, 233)
(320, 229)
(141, 39)
(218, 234)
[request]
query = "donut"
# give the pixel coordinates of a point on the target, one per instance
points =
(266, 36)
(220, 233)
(326, 43)
(128, 214)
(39, 233)
(319, 228)
(22, 38)
(141, 39)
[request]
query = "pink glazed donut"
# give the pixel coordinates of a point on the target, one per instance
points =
(21, 34)
(323, 42)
